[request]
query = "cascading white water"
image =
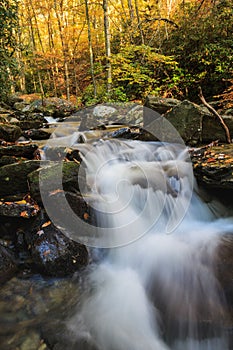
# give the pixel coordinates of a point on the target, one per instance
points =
(157, 288)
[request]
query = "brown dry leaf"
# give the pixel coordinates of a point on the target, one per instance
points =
(86, 216)
(46, 224)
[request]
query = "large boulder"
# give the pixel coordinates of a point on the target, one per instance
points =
(111, 114)
(187, 118)
(194, 123)
(13, 177)
(212, 129)
(213, 166)
(159, 104)
(52, 252)
(47, 178)
(9, 132)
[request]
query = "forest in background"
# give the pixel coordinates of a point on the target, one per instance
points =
(91, 51)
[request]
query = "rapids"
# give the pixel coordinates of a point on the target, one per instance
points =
(155, 288)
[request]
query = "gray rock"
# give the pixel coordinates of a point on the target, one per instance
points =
(52, 106)
(187, 118)
(159, 104)
(212, 129)
(119, 113)
(10, 133)
(101, 111)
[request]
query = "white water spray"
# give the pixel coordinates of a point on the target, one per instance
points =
(159, 291)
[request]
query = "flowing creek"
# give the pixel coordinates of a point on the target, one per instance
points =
(152, 284)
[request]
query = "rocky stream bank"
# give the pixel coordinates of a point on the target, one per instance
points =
(30, 244)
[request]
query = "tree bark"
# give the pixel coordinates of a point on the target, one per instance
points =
(107, 46)
(90, 47)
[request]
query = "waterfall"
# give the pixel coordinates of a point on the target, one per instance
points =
(155, 288)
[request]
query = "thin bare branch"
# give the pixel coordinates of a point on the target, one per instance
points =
(215, 113)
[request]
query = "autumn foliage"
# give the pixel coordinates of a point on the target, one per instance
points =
(70, 48)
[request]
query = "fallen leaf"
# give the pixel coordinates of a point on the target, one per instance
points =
(46, 224)
(24, 214)
(86, 216)
(21, 202)
(52, 193)
(210, 160)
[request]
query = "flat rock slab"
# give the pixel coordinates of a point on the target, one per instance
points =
(213, 166)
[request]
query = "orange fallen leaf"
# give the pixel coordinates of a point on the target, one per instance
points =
(24, 214)
(86, 216)
(229, 161)
(46, 224)
(210, 160)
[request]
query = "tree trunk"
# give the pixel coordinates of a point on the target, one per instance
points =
(107, 46)
(90, 47)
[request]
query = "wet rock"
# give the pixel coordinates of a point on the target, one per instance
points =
(9, 133)
(20, 208)
(7, 264)
(54, 177)
(36, 134)
(29, 124)
(32, 117)
(20, 150)
(13, 177)
(159, 104)
(213, 167)
(53, 253)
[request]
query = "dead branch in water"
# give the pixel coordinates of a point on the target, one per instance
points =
(215, 113)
